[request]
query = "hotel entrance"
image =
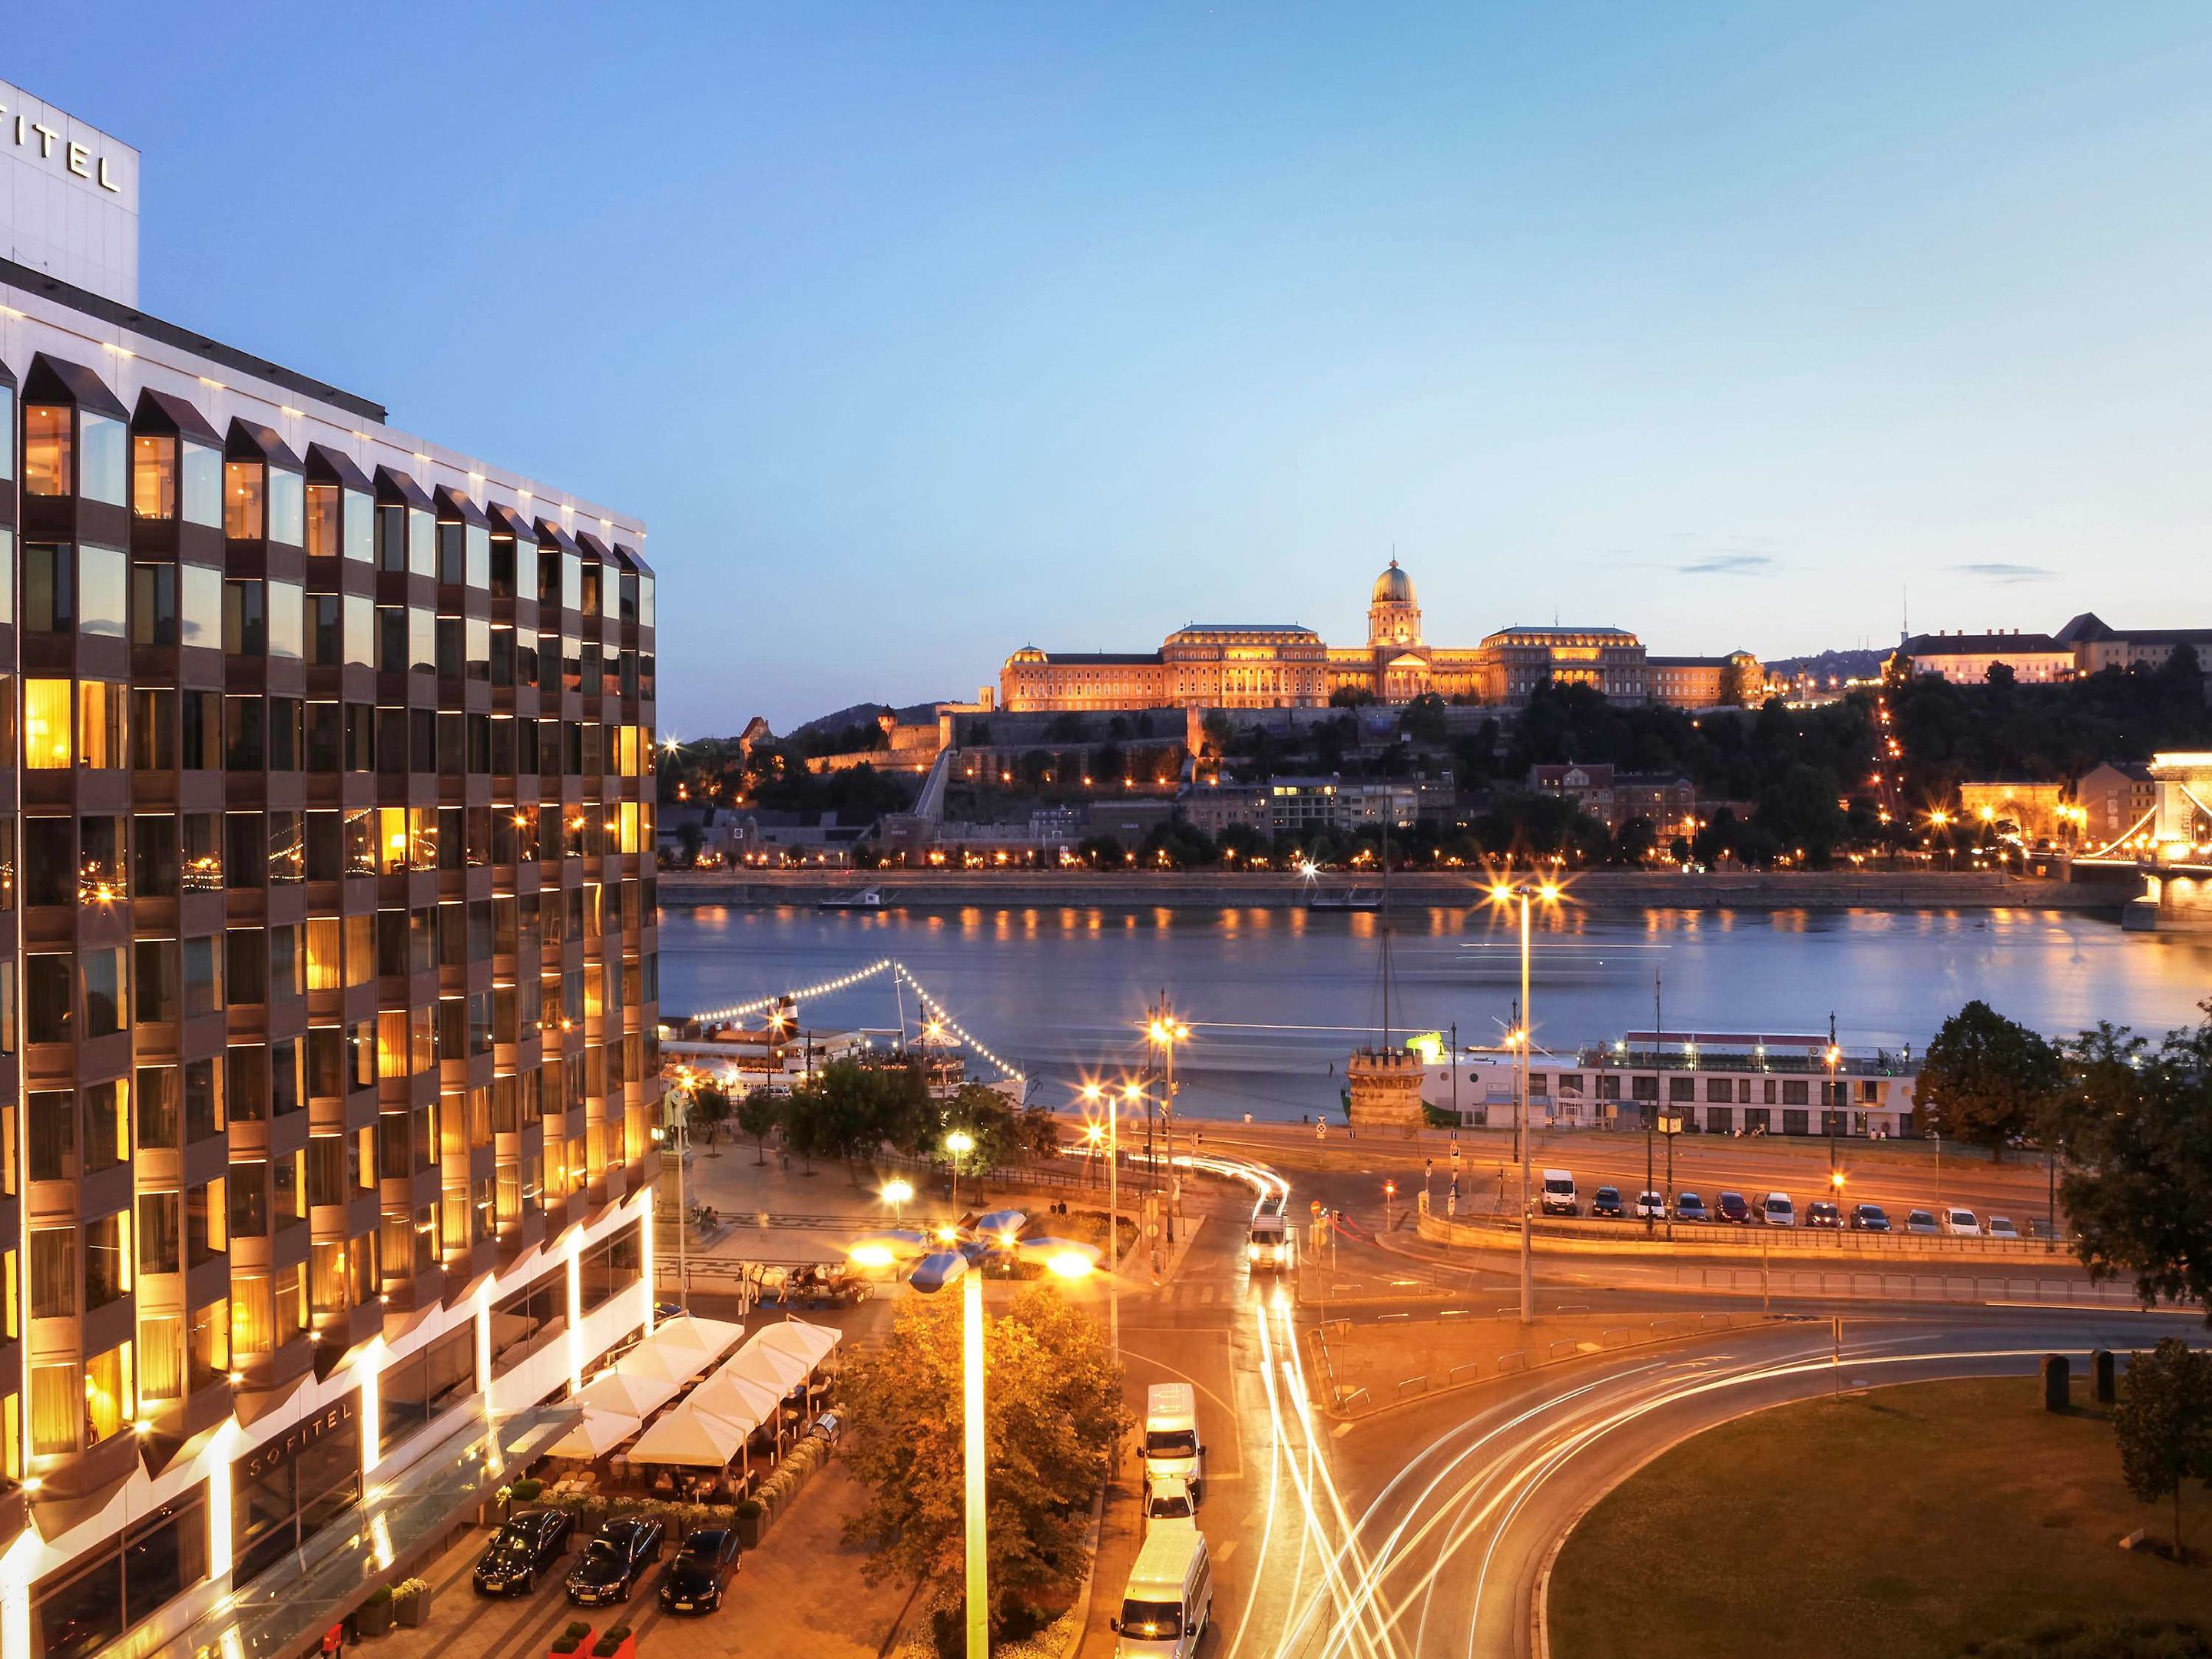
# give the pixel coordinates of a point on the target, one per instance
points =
(288, 1489)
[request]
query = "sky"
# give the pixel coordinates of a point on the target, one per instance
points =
(919, 333)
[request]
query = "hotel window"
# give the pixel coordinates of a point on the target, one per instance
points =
(48, 468)
(286, 505)
(203, 983)
(103, 459)
(107, 1126)
(103, 584)
(200, 613)
(207, 1345)
(53, 1273)
(105, 983)
(153, 605)
(7, 426)
(359, 639)
(101, 725)
(324, 641)
(56, 1409)
(154, 475)
(91, 1601)
(360, 528)
(49, 1014)
(206, 1236)
(243, 499)
(244, 625)
(161, 1357)
(160, 1121)
(53, 1120)
(323, 518)
(48, 588)
(202, 470)
(107, 1259)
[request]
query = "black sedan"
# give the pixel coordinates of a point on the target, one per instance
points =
(1822, 1213)
(1870, 1218)
(696, 1578)
(1606, 1201)
(614, 1561)
(521, 1551)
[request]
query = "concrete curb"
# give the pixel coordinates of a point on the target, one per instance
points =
(1082, 1608)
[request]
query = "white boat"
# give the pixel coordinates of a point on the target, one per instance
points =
(1352, 898)
(868, 898)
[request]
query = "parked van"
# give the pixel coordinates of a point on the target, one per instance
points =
(1168, 1502)
(1171, 1443)
(1169, 1600)
(1776, 1211)
(1559, 1198)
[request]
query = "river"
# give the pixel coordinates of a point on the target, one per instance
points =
(1276, 998)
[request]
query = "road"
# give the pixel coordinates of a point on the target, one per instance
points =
(1425, 1530)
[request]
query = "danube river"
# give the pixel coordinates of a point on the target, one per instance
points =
(1276, 998)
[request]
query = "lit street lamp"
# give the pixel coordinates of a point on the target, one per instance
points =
(959, 1143)
(1164, 1031)
(1524, 893)
(1066, 1260)
(896, 1194)
(1095, 1096)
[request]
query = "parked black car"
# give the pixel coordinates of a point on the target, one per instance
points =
(614, 1561)
(1870, 1218)
(696, 1578)
(1606, 1201)
(1732, 1207)
(521, 1552)
(1822, 1213)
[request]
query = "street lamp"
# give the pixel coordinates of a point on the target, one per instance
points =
(959, 1143)
(1164, 1031)
(675, 1128)
(897, 1193)
(1095, 1096)
(1833, 1058)
(1525, 893)
(933, 1274)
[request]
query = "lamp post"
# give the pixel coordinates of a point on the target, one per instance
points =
(959, 1144)
(1834, 1057)
(1670, 1126)
(674, 1129)
(1165, 1031)
(896, 1194)
(1094, 1095)
(1524, 893)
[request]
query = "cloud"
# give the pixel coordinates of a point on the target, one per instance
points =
(2006, 573)
(1727, 564)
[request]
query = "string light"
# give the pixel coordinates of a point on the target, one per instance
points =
(898, 970)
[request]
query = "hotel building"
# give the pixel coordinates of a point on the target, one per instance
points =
(328, 981)
(1282, 665)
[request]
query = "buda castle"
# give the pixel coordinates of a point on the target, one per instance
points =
(1283, 666)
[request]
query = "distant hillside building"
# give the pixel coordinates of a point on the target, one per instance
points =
(2096, 645)
(1284, 666)
(1966, 658)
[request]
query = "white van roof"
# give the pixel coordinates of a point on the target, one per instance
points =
(1164, 1564)
(1559, 1175)
(1171, 1400)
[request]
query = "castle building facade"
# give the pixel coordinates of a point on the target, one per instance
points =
(1283, 666)
(328, 966)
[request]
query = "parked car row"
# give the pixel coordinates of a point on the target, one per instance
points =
(613, 1564)
(1773, 1209)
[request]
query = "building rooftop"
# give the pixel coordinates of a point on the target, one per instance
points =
(1977, 644)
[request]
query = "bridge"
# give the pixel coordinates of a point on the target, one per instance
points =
(2169, 846)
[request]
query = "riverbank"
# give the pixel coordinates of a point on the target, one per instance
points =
(1605, 890)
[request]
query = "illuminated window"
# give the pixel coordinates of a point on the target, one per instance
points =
(101, 726)
(243, 493)
(48, 466)
(323, 506)
(47, 718)
(154, 475)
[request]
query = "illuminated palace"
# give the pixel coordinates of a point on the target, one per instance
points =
(1282, 665)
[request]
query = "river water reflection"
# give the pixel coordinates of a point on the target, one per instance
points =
(1276, 997)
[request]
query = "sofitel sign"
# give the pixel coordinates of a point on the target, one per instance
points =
(74, 156)
(273, 1454)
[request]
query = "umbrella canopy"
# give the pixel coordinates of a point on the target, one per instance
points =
(800, 1338)
(593, 1435)
(771, 1368)
(711, 1337)
(625, 1396)
(698, 1438)
(1000, 1224)
(675, 1365)
(744, 1403)
(938, 1271)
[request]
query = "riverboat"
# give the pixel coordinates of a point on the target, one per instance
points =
(1352, 898)
(868, 898)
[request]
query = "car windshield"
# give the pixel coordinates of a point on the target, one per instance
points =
(1920, 1219)
(511, 1546)
(701, 1546)
(1553, 1184)
(1688, 1199)
(1962, 1218)
(1151, 1621)
(1171, 1443)
(1173, 1508)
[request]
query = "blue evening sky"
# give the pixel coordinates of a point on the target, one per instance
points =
(919, 332)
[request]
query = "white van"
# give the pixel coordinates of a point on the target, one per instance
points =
(1169, 1600)
(1171, 1443)
(1775, 1209)
(1168, 1502)
(1960, 1224)
(1559, 1197)
(1268, 1243)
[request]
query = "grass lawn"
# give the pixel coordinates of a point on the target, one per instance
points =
(1904, 1522)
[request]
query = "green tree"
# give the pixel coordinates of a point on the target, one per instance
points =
(1422, 719)
(2164, 1424)
(2136, 1126)
(1985, 1079)
(1052, 1408)
(757, 1115)
(709, 1108)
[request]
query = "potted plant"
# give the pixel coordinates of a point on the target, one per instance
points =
(752, 1522)
(376, 1611)
(572, 1638)
(616, 1642)
(410, 1599)
(527, 1491)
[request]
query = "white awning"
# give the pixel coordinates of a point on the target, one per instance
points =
(595, 1434)
(693, 1437)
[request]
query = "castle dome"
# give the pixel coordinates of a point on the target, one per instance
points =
(1393, 587)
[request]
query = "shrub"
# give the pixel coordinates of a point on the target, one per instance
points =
(748, 1511)
(380, 1596)
(611, 1641)
(528, 1492)
(571, 1639)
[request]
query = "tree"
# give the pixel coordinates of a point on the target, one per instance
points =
(847, 1111)
(1423, 720)
(710, 1105)
(757, 1115)
(1052, 1408)
(1985, 1079)
(2164, 1424)
(2136, 1126)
